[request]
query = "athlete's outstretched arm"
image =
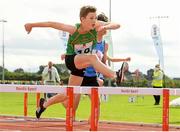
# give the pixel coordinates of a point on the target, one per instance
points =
(118, 59)
(105, 53)
(56, 25)
(106, 26)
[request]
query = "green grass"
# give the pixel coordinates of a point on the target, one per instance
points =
(117, 108)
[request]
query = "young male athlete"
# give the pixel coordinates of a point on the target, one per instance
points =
(82, 40)
(91, 77)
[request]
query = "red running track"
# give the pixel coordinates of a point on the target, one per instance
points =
(12, 123)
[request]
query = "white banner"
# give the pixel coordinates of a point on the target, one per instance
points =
(64, 38)
(155, 33)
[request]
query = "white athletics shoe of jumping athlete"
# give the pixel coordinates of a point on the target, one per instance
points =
(120, 74)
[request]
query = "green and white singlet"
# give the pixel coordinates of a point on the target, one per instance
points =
(81, 43)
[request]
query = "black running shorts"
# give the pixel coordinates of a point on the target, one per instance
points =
(69, 61)
(90, 81)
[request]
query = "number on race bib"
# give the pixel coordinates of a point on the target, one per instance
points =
(87, 50)
(83, 49)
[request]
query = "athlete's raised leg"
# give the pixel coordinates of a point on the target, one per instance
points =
(82, 61)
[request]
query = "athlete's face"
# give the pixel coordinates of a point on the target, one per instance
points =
(89, 21)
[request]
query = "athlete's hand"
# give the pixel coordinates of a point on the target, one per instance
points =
(28, 27)
(128, 59)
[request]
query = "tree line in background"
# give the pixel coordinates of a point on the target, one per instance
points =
(20, 75)
(133, 79)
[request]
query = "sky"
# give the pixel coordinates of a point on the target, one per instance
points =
(133, 39)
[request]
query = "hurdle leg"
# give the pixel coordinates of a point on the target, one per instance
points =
(69, 110)
(37, 99)
(25, 104)
(165, 126)
(94, 109)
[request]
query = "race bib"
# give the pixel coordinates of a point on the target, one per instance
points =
(83, 48)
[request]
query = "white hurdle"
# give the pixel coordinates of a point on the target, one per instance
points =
(94, 91)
